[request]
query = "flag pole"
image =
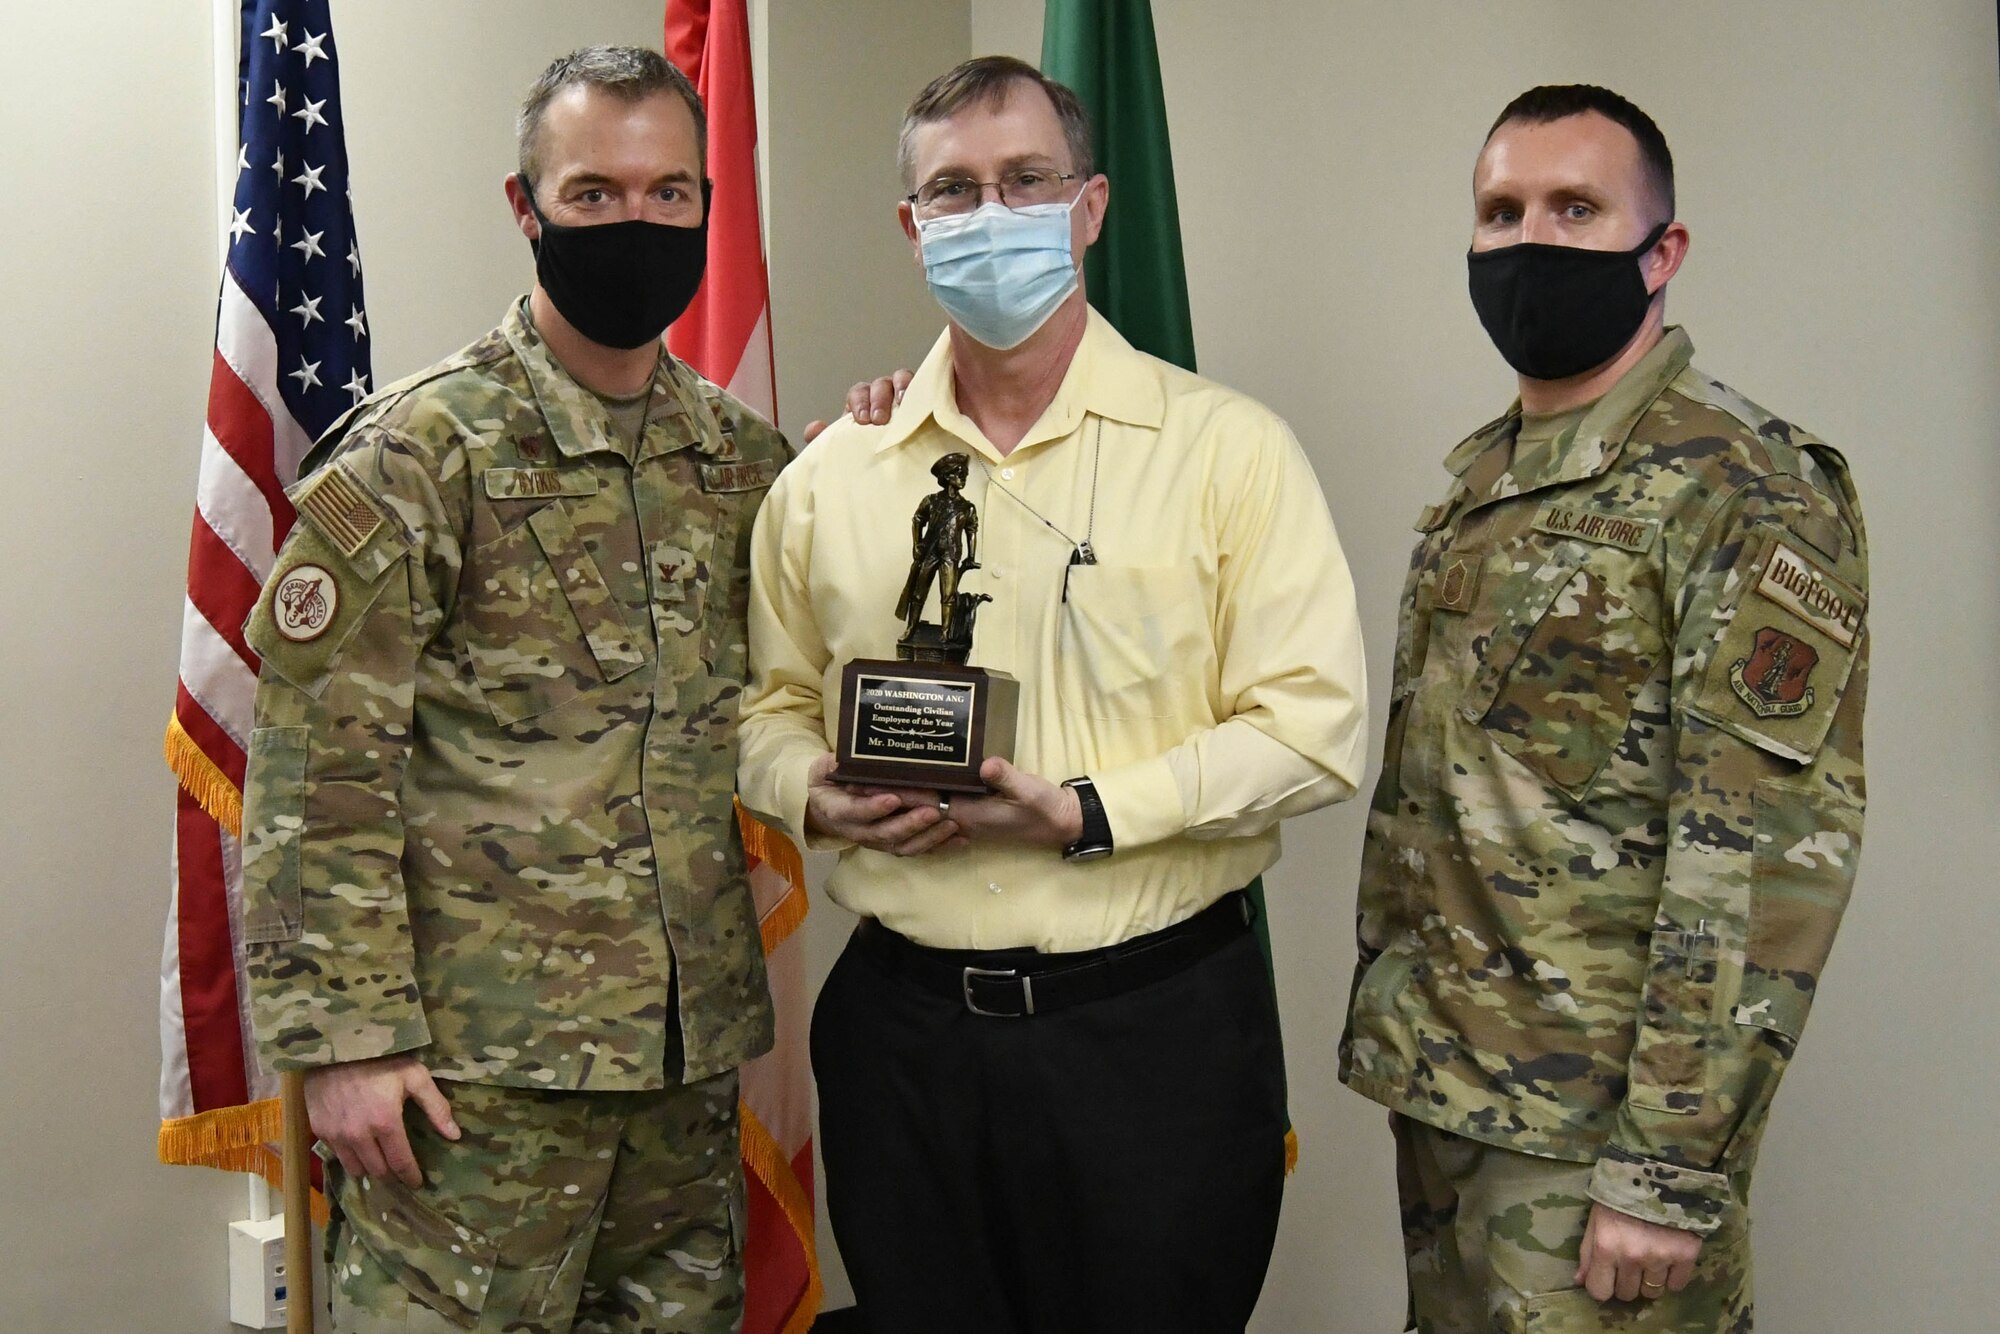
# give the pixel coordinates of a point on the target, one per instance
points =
(298, 1206)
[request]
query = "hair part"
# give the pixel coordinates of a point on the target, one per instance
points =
(629, 73)
(989, 81)
(1560, 101)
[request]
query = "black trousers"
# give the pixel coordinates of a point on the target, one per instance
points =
(1115, 1166)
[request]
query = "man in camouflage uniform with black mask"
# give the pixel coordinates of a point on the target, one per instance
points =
(490, 844)
(1620, 807)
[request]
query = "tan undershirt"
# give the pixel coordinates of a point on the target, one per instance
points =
(628, 414)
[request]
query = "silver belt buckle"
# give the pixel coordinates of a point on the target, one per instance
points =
(1027, 991)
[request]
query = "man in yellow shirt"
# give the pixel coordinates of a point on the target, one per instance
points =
(1049, 1063)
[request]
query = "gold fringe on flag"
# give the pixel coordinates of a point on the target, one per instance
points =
(762, 1154)
(770, 847)
(1291, 1151)
(781, 921)
(234, 1139)
(204, 782)
(774, 850)
(229, 1137)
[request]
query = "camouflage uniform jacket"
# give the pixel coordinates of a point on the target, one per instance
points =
(1620, 804)
(489, 806)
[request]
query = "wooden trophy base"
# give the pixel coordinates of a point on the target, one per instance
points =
(923, 724)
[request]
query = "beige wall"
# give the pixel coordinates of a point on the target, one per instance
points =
(1840, 169)
(1840, 176)
(108, 276)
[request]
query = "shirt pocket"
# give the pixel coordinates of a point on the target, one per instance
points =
(1557, 668)
(273, 818)
(541, 626)
(1132, 639)
(1799, 886)
(1669, 1068)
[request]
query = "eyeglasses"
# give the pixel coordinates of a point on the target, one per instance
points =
(1024, 187)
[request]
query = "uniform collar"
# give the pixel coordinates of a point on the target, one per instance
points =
(577, 419)
(1594, 445)
(1107, 377)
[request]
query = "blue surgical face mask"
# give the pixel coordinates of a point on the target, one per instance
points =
(1000, 272)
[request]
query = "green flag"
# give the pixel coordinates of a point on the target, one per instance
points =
(1103, 51)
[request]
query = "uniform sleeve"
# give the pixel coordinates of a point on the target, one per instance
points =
(1770, 678)
(1294, 693)
(355, 596)
(783, 725)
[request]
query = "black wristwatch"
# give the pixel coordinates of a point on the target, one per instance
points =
(1095, 841)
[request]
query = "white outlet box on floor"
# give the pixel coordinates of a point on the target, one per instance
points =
(257, 1285)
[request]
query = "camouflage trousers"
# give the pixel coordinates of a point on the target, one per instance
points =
(1492, 1238)
(554, 1213)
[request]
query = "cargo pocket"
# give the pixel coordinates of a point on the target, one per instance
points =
(1558, 670)
(1571, 1311)
(541, 625)
(1799, 885)
(274, 790)
(446, 1267)
(1670, 1058)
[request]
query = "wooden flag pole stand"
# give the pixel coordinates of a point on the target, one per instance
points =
(298, 1206)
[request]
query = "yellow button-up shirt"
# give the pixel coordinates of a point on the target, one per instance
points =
(1206, 673)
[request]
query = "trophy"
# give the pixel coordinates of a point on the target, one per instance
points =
(927, 719)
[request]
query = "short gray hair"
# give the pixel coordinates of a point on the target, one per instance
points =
(630, 73)
(987, 81)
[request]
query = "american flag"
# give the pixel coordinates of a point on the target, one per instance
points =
(291, 354)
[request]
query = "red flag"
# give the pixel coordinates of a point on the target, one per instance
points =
(726, 332)
(726, 336)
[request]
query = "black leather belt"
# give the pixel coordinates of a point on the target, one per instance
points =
(1012, 984)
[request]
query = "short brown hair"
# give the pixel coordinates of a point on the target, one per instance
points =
(1559, 101)
(987, 80)
(629, 73)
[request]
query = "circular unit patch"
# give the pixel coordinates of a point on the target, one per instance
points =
(305, 602)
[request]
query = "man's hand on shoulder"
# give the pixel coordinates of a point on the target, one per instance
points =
(1023, 808)
(906, 822)
(870, 402)
(1630, 1258)
(357, 1108)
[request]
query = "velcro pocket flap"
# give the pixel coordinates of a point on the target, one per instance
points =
(311, 607)
(1511, 611)
(590, 599)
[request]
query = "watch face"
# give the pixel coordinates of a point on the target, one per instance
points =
(1089, 854)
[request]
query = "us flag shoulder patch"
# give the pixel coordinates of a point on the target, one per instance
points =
(341, 510)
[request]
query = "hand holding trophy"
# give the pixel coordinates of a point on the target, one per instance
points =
(931, 725)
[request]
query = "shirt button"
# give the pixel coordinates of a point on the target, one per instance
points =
(993, 887)
(1007, 473)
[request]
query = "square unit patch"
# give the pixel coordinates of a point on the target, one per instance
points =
(1783, 661)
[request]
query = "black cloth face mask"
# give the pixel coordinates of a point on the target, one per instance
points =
(1554, 310)
(621, 283)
